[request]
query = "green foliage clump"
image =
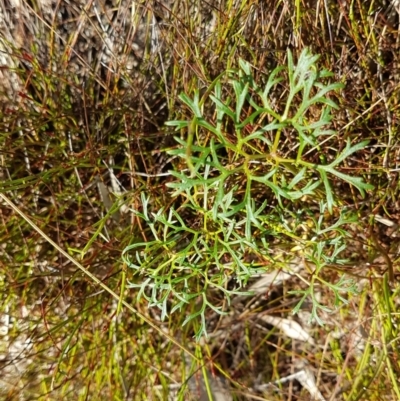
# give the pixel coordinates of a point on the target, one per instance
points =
(216, 237)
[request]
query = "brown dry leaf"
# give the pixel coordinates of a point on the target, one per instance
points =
(266, 280)
(289, 327)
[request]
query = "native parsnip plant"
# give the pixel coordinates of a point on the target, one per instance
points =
(237, 191)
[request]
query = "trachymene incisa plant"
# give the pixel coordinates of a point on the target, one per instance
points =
(239, 191)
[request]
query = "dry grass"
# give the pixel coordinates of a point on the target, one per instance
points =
(85, 92)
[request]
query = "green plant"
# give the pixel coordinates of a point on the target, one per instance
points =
(216, 236)
(324, 248)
